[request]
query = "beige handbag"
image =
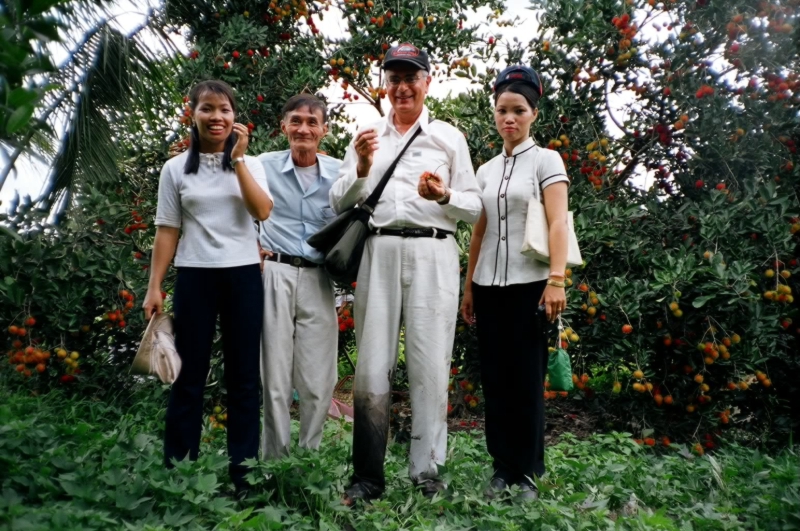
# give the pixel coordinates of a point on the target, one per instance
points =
(537, 235)
(157, 355)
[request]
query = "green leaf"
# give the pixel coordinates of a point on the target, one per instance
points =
(207, 483)
(22, 96)
(45, 30)
(701, 301)
(37, 7)
(19, 118)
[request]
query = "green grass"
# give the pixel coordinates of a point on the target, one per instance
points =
(90, 465)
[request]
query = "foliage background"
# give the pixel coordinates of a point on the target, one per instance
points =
(705, 107)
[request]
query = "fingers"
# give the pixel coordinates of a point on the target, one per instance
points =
(422, 187)
(243, 135)
(430, 186)
(366, 142)
(147, 313)
(553, 307)
(436, 189)
(242, 140)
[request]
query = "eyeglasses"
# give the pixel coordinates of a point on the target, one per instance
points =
(395, 81)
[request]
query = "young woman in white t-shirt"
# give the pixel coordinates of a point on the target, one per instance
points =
(212, 193)
(504, 288)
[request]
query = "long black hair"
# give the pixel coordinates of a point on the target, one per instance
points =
(526, 90)
(216, 87)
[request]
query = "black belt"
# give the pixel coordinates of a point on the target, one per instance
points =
(297, 261)
(409, 232)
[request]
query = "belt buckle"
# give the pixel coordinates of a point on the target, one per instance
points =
(297, 261)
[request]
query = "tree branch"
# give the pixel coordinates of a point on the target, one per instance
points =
(626, 171)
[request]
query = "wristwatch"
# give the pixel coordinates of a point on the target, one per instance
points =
(235, 161)
(445, 198)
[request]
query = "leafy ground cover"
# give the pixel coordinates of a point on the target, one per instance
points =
(87, 464)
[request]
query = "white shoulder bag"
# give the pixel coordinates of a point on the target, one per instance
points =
(537, 233)
(157, 355)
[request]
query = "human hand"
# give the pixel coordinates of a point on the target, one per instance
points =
(555, 301)
(264, 254)
(153, 303)
(467, 310)
(431, 186)
(366, 145)
(242, 141)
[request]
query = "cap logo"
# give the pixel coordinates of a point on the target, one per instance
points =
(406, 50)
(515, 75)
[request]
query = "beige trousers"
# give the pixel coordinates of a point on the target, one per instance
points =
(298, 350)
(413, 281)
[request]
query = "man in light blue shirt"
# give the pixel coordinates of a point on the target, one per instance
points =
(300, 335)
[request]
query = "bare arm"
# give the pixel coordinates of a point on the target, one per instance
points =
(164, 246)
(256, 200)
(475, 242)
(556, 208)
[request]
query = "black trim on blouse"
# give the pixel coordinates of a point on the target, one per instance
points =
(541, 183)
(499, 222)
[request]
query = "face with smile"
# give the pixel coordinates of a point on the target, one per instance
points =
(513, 117)
(214, 117)
(407, 97)
(304, 129)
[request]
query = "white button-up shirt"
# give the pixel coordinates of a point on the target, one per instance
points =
(440, 148)
(507, 185)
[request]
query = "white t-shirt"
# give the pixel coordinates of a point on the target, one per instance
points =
(507, 184)
(307, 175)
(208, 205)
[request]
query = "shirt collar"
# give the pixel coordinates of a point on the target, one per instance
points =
(212, 159)
(525, 146)
(288, 166)
(423, 120)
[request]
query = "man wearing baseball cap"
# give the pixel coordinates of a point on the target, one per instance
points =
(409, 274)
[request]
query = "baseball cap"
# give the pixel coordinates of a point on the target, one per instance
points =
(522, 73)
(406, 54)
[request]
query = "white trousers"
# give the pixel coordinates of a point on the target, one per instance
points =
(414, 281)
(298, 350)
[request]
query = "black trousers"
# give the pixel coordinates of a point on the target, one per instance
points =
(236, 294)
(513, 356)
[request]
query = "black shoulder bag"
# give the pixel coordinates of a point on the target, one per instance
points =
(342, 240)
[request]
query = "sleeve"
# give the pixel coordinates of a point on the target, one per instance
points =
(168, 209)
(480, 178)
(257, 171)
(348, 190)
(465, 195)
(551, 169)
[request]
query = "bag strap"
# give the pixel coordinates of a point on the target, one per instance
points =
(372, 200)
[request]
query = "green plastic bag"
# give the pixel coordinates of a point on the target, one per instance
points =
(559, 370)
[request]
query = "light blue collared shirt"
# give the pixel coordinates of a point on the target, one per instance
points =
(297, 213)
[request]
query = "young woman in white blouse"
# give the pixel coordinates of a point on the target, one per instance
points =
(212, 193)
(504, 288)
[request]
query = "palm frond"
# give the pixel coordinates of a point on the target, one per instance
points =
(113, 78)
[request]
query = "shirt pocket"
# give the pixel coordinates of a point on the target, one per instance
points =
(328, 213)
(417, 161)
